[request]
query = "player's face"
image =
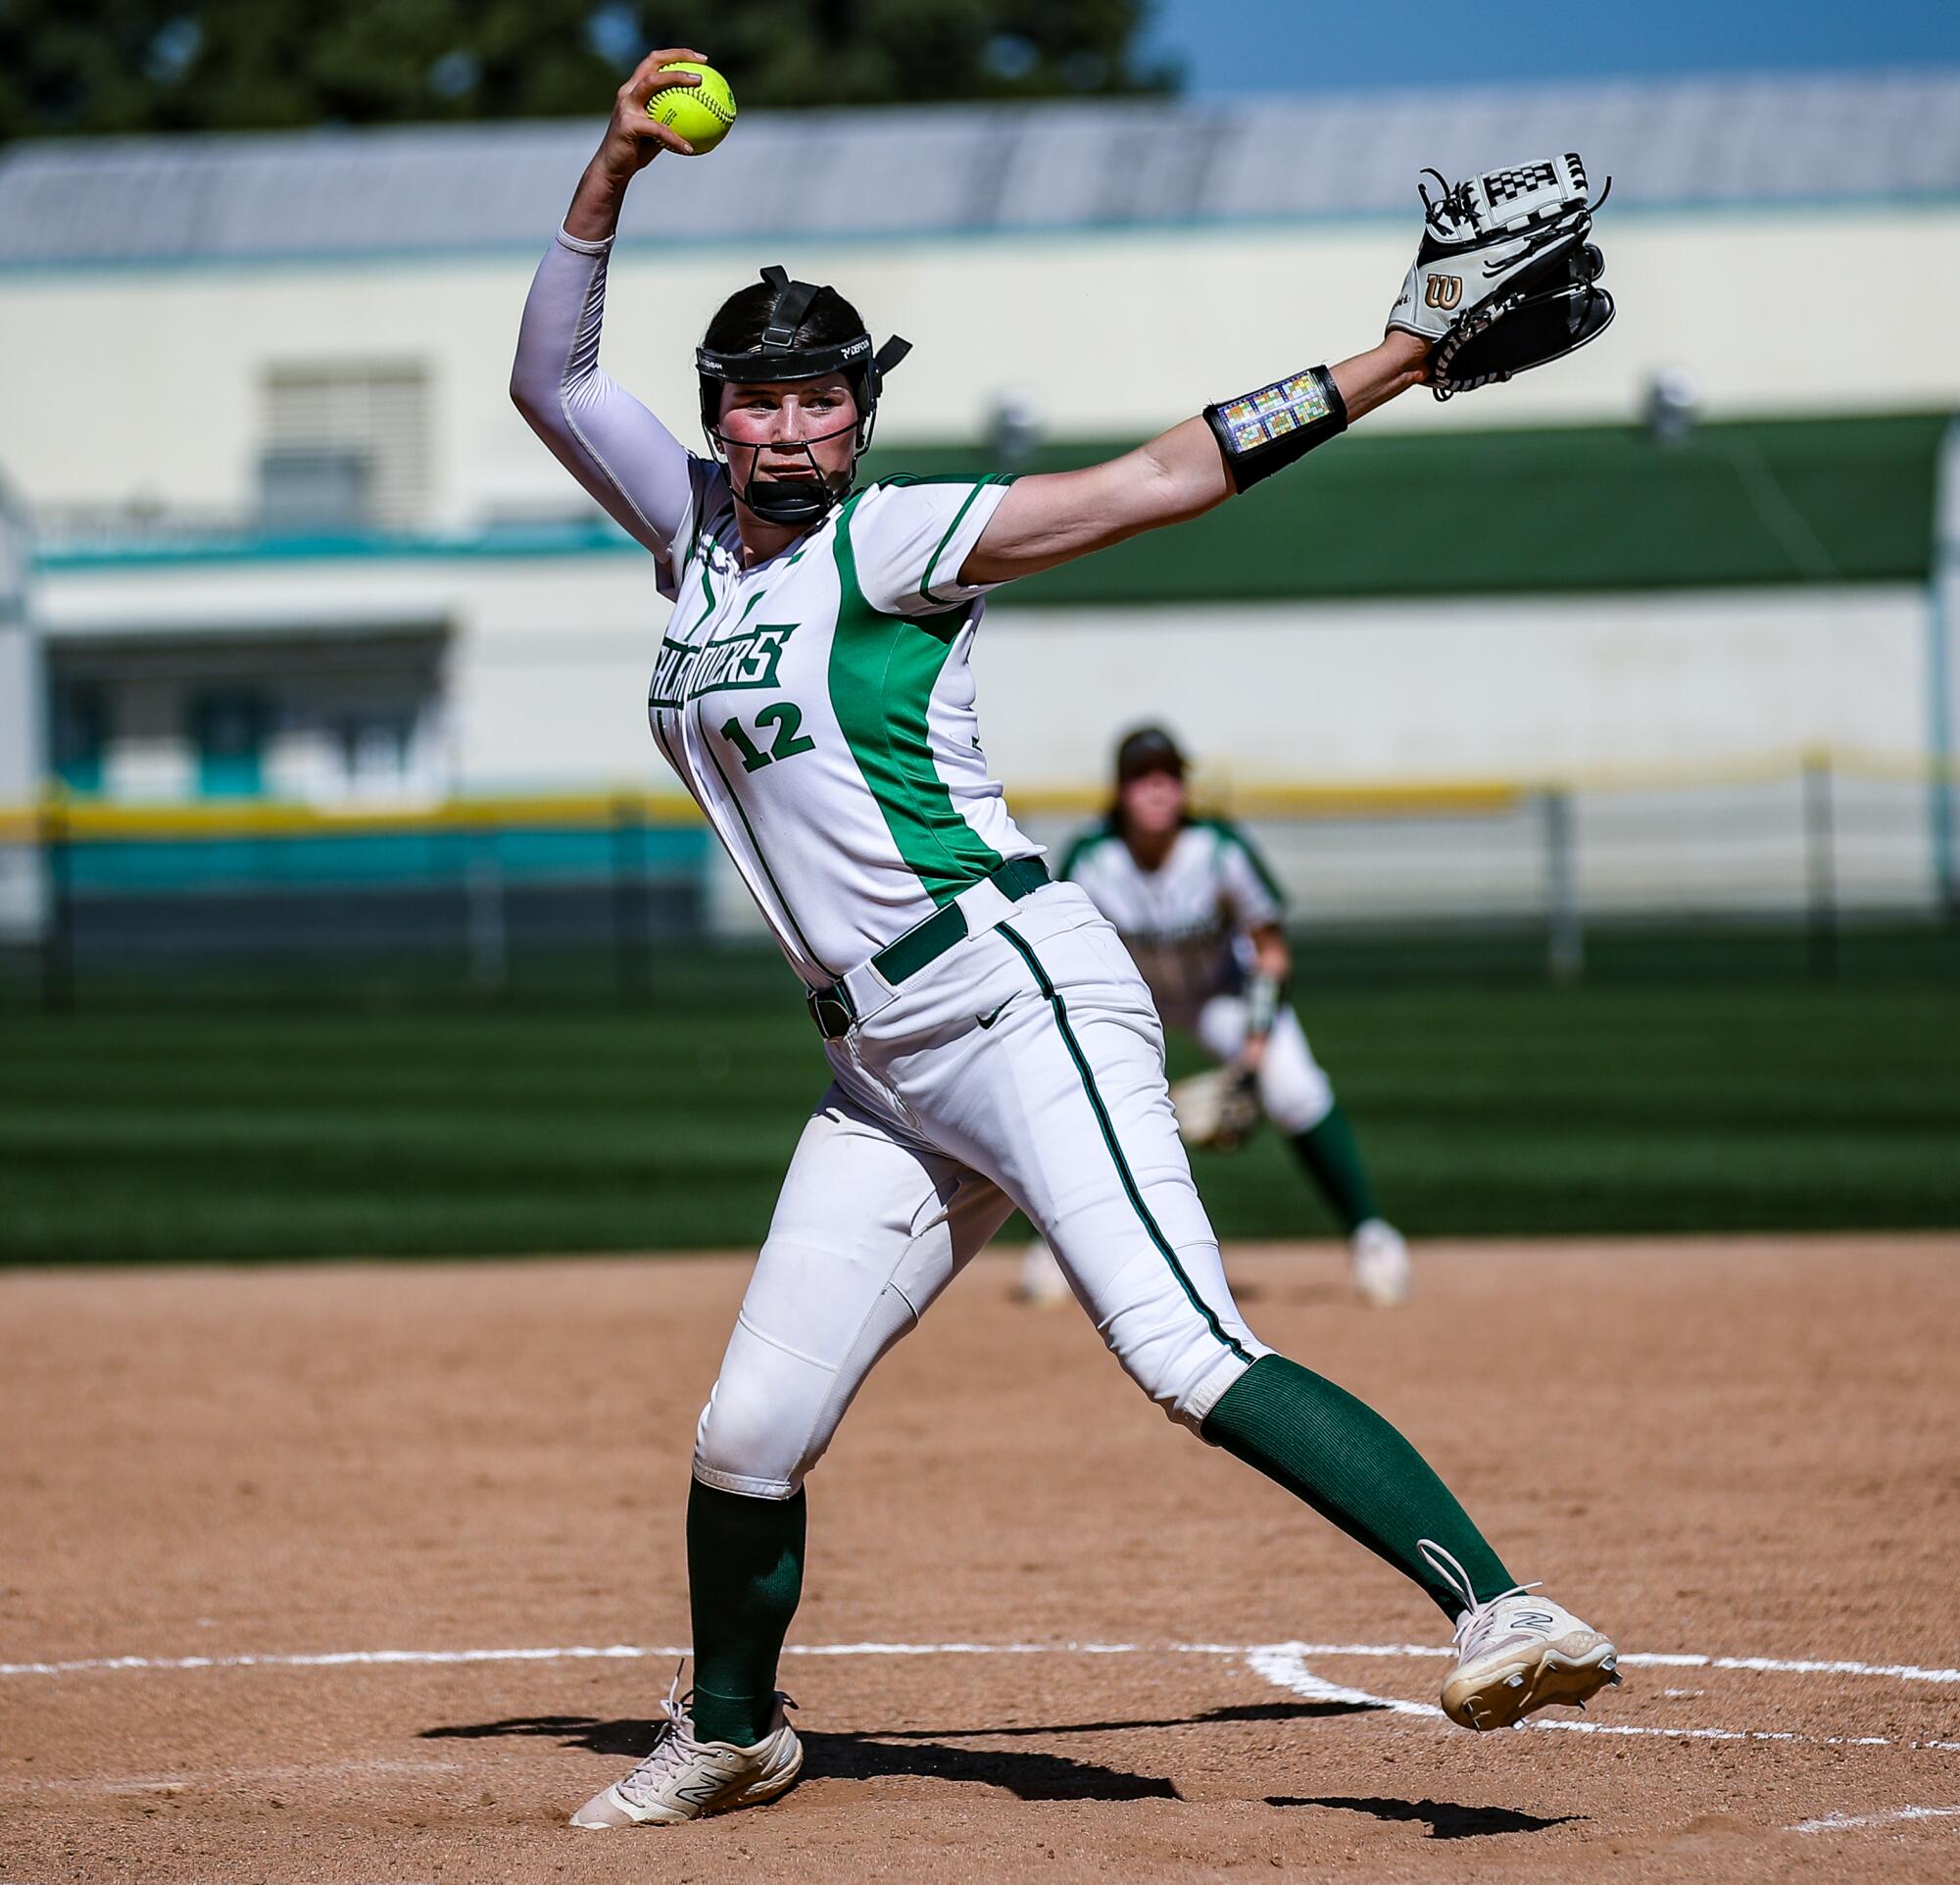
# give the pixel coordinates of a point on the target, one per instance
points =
(792, 425)
(1152, 804)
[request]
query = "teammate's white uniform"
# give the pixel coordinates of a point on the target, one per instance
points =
(1186, 924)
(821, 708)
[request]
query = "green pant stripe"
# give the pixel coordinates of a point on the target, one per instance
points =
(1109, 1130)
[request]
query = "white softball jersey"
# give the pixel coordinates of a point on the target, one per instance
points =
(821, 708)
(1185, 921)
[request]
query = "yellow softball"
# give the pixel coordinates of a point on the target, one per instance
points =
(702, 113)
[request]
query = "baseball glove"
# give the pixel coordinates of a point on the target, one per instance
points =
(1505, 279)
(1220, 1109)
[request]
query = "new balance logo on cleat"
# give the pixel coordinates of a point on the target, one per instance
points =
(1516, 1655)
(685, 1778)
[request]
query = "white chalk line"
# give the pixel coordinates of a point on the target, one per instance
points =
(340, 1658)
(635, 1652)
(1281, 1664)
(1285, 1666)
(1844, 1822)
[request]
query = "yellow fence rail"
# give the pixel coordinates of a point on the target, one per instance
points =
(80, 818)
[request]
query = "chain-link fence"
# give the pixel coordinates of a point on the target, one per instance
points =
(1818, 866)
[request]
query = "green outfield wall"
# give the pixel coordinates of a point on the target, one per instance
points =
(1569, 508)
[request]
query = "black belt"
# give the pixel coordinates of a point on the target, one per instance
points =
(832, 1008)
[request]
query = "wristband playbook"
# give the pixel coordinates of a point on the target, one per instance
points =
(1263, 431)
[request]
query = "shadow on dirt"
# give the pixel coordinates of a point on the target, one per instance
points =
(635, 1738)
(926, 1753)
(1022, 1772)
(1249, 1712)
(864, 1756)
(1443, 1818)
(632, 1738)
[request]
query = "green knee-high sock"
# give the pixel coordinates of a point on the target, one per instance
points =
(744, 1576)
(1334, 1162)
(1339, 1454)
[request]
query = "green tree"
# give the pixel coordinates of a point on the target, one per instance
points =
(120, 66)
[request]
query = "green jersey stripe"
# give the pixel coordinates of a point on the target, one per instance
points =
(951, 530)
(883, 670)
(1081, 844)
(1231, 834)
(1110, 1139)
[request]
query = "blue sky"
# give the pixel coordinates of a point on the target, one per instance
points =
(1226, 46)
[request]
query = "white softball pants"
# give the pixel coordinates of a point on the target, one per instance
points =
(1295, 1092)
(1023, 1067)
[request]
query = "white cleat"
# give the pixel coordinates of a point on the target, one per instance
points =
(1517, 1652)
(688, 1779)
(1381, 1263)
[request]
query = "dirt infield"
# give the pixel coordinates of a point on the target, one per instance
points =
(363, 1526)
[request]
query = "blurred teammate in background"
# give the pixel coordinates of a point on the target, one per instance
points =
(1199, 914)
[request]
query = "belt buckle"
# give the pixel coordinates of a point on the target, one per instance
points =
(830, 1010)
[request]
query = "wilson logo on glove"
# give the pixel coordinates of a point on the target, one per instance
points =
(1519, 236)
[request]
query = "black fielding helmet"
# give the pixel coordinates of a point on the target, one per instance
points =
(1147, 749)
(777, 356)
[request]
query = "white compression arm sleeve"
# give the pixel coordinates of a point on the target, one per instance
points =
(611, 443)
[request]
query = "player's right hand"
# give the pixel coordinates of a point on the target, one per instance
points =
(634, 140)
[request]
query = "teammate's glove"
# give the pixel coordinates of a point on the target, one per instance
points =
(1505, 279)
(1218, 1109)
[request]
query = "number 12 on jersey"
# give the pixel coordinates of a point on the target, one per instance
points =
(787, 719)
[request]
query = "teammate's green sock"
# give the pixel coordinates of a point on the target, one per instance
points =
(1339, 1456)
(744, 1577)
(1334, 1162)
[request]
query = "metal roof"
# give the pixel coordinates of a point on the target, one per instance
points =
(981, 169)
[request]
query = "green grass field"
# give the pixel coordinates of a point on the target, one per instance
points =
(1495, 1110)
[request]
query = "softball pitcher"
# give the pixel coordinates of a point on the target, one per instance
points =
(990, 1042)
(1199, 914)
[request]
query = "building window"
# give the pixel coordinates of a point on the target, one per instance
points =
(345, 445)
(228, 732)
(78, 733)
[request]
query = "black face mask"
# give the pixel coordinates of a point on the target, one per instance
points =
(784, 500)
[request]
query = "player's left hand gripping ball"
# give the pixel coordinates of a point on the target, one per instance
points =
(701, 113)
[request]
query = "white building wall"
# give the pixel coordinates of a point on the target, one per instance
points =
(1518, 689)
(548, 663)
(142, 384)
(1625, 701)
(550, 676)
